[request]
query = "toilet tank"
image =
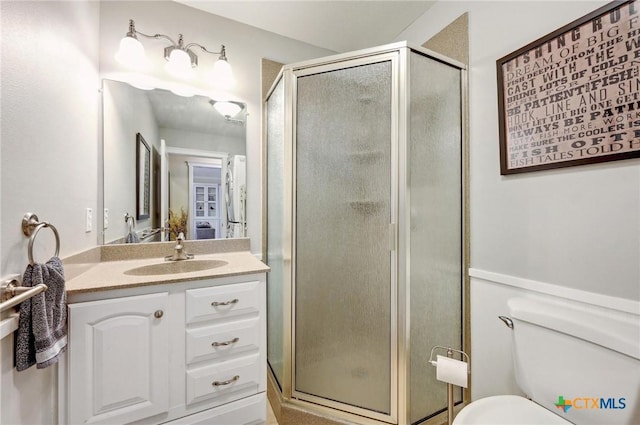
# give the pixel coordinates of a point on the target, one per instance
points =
(584, 358)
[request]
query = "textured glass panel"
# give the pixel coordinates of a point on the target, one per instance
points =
(275, 225)
(343, 267)
(436, 217)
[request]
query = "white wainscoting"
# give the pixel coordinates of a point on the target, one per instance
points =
(601, 300)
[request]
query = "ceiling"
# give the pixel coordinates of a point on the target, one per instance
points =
(340, 26)
(193, 114)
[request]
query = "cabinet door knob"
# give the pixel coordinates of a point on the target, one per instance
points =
(230, 381)
(216, 303)
(222, 344)
(158, 314)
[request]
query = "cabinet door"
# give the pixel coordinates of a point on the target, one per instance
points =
(118, 359)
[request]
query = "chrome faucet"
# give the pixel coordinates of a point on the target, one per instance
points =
(178, 251)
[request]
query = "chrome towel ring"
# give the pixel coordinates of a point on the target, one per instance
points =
(31, 226)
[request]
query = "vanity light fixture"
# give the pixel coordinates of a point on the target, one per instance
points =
(181, 60)
(227, 109)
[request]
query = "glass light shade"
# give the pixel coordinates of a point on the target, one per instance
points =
(227, 109)
(179, 64)
(222, 75)
(131, 54)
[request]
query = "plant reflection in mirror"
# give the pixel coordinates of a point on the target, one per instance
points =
(177, 223)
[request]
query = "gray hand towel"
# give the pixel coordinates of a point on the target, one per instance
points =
(132, 237)
(42, 326)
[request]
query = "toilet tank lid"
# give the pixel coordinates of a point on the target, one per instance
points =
(618, 331)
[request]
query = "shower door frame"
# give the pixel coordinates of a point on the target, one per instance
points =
(393, 57)
(400, 385)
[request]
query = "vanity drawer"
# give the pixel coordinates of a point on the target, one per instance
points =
(247, 411)
(223, 302)
(224, 381)
(224, 340)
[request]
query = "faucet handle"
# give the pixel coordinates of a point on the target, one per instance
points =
(178, 250)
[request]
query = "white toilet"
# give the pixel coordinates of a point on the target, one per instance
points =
(567, 352)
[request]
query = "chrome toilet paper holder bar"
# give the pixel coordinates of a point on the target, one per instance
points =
(450, 351)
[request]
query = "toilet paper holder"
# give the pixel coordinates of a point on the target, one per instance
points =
(450, 351)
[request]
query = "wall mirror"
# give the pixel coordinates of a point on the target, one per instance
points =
(196, 163)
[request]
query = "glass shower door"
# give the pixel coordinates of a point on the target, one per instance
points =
(435, 175)
(344, 280)
(275, 229)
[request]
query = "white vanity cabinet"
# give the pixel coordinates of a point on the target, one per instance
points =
(119, 359)
(180, 353)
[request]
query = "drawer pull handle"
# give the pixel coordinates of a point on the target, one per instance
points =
(158, 314)
(217, 304)
(222, 344)
(230, 381)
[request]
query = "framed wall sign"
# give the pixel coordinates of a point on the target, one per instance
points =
(143, 178)
(573, 96)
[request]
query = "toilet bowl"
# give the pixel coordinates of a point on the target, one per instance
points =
(583, 356)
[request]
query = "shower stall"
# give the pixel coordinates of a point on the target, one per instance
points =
(365, 231)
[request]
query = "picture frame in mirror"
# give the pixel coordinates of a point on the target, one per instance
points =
(143, 178)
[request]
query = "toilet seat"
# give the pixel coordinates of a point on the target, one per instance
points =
(507, 410)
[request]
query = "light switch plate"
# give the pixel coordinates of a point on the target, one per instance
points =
(89, 220)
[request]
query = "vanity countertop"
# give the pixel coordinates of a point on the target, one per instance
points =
(109, 275)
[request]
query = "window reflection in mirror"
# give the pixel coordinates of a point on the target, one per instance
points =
(198, 159)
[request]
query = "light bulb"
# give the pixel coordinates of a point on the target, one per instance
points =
(179, 64)
(131, 54)
(222, 75)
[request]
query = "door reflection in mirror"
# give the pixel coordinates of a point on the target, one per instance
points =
(205, 181)
(236, 196)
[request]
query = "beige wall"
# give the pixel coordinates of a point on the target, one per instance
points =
(452, 40)
(270, 71)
